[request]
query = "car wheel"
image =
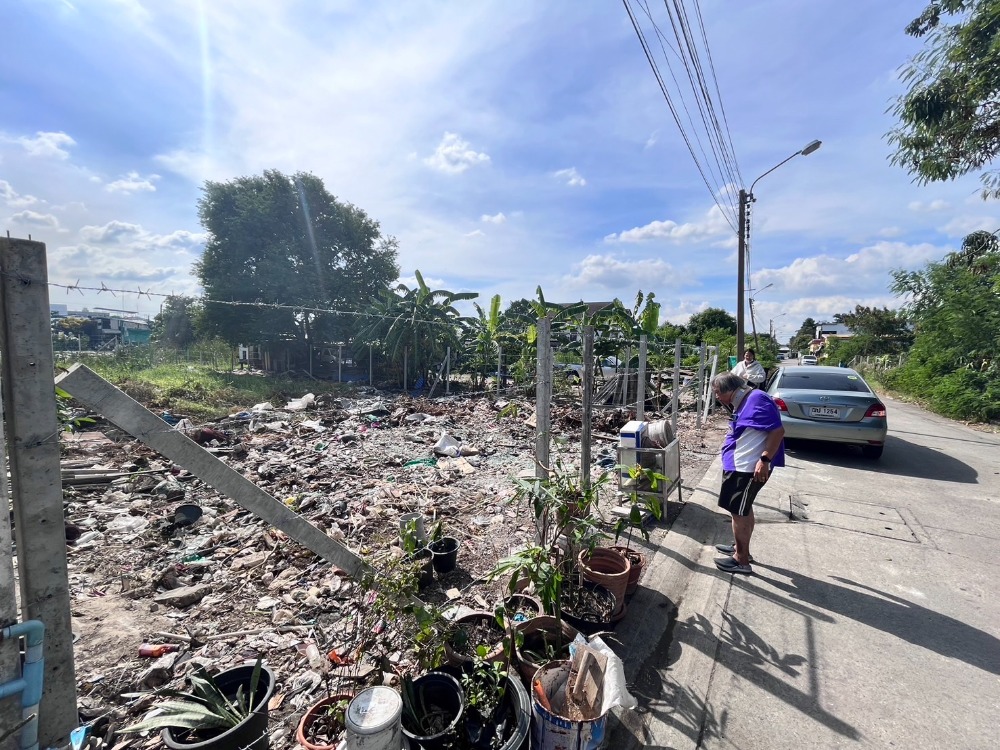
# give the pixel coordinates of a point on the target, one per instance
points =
(872, 451)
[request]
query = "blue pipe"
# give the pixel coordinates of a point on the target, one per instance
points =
(29, 685)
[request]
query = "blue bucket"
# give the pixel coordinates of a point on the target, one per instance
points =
(549, 730)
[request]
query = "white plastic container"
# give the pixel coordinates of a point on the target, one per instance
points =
(374, 720)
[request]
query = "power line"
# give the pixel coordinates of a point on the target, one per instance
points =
(673, 110)
(717, 160)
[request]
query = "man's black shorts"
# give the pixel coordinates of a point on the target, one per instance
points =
(738, 492)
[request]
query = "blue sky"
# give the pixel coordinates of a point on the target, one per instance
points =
(506, 145)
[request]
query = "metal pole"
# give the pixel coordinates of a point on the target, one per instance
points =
(499, 368)
(740, 271)
(340, 363)
(406, 375)
(701, 381)
(447, 373)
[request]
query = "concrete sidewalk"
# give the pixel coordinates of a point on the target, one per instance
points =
(832, 642)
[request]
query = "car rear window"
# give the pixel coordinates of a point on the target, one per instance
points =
(822, 381)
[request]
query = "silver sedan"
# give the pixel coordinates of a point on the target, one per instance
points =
(829, 403)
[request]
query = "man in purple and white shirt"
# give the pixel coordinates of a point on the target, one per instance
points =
(753, 446)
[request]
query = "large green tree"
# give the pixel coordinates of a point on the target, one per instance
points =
(949, 118)
(954, 306)
(711, 318)
(806, 333)
(302, 263)
(174, 325)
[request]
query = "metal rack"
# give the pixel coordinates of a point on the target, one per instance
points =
(665, 461)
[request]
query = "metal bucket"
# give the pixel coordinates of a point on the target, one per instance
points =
(658, 434)
(549, 730)
(373, 720)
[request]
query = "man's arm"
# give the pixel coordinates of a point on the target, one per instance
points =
(763, 468)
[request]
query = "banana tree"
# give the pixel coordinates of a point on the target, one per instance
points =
(420, 319)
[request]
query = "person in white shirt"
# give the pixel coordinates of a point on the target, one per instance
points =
(750, 369)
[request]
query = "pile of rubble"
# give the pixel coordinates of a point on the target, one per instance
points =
(161, 561)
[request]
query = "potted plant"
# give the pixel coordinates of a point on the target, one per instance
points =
(322, 725)
(225, 711)
(497, 710)
(416, 551)
(433, 705)
(644, 484)
(444, 550)
(561, 506)
(470, 633)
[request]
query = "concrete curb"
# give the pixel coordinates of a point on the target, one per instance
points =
(673, 625)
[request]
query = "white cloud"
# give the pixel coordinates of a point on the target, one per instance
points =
(12, 199)
(963, 225)
(47, 144)
(890, 232)
(476, 233)
(570, 176)
(35, 219)
(609, 272)
(8, 193)
(133, 183)
(454, 155)
(651, 141)
(113, 231)
(498, 218)
(865, 272)
(927, 206)
(713, 225)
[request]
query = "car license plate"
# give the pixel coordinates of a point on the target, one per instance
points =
(824, 411)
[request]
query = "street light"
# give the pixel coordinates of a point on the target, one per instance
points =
(744, 232)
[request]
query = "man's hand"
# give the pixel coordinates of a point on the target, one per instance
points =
(761, 471)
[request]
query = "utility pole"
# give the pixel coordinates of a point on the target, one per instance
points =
(740, 273)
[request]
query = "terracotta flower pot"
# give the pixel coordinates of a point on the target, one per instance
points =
(304, 731)
(542, 629)
(638, 561)
(455, 657)
(608, 568)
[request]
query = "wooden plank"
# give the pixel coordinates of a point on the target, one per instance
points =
(101, 396)
(32, 432)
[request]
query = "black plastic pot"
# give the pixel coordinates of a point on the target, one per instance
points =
(435, 691)
(445, 552)
(589, 625)
(513, 720)
(251, 734)
(425, 574)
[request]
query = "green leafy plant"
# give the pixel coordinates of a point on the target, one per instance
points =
(408, 537)
(640, 480)
(561, 505)
(485, 684)
(204, 706)
(69, 421)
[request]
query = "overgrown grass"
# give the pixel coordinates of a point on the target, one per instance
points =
(199, 390)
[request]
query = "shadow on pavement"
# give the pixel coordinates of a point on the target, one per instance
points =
(662, 700)
(918, 625)
(920, 461)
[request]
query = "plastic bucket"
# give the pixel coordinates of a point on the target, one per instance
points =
(406, 518)
(373, 720)
(550, 730)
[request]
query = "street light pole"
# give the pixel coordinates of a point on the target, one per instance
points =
(745, 198)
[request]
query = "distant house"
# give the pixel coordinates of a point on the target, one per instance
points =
(109, 328)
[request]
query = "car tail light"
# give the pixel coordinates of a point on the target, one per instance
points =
(875, 410)
(782, 406)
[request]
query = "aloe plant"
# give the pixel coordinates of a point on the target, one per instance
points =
(204, 706)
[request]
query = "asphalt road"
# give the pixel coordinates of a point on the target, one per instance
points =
(872, 618)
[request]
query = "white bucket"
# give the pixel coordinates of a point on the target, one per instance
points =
(373, 720)
(549, 730)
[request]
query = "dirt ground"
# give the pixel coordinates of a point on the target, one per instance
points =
(351, 465)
